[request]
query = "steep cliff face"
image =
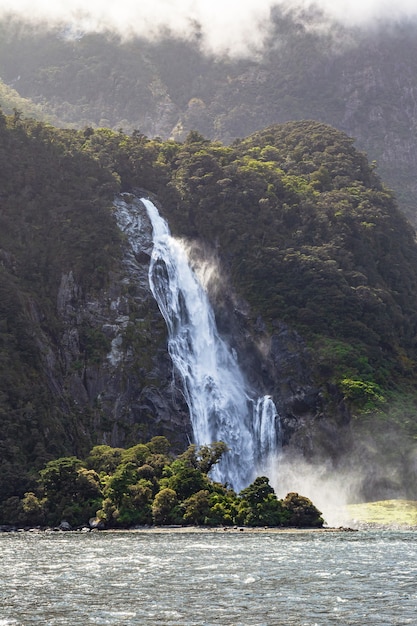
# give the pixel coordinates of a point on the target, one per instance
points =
(110, 374)
(114, 363)
(315, 420)
(378, 104)
(94, 368)
(113, 352)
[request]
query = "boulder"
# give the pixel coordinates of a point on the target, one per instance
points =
(97, 523)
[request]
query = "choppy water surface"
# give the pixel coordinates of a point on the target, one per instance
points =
(204, 578)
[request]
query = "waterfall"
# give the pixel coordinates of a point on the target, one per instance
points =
(222, 407)
(267, 435)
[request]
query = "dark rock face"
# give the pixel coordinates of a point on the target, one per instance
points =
(316, 426)
(110, 360)
(315, 421)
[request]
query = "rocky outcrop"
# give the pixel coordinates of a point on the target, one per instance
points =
(313, 424)
(315, 420)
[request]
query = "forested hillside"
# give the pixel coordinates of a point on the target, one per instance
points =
(310, 245)
(362, 81)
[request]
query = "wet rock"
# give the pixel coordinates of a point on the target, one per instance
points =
(96, 523)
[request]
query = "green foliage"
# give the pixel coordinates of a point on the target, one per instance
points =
(319, 248)
(259, 505)
(204, 458)
(59, 478)
(71, 492)
(224, 507)
(301, 512)
(136, 455)
(365, 394)
(104, 459)
(165, 507)
(170, 87)
(33, 509)
(197, 507)
(129, 494)
(185, 479)
(134, 506)
(159, 445)
(118, 484)
(338, 359)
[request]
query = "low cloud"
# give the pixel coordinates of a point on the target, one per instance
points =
(359, 12)
(235, 26)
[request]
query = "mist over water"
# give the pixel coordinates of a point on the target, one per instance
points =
(330, 489)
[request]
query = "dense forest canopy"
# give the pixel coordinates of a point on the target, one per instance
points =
(303, 228)
(360, 80)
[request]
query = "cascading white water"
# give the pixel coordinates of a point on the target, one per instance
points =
(221, 405)
(267, 428)
(268, 437)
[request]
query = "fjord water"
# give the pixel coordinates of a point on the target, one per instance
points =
(203, 578)
(222, 406)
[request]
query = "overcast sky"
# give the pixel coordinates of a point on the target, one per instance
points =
(225, 24)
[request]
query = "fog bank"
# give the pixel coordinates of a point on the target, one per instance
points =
(236, 27)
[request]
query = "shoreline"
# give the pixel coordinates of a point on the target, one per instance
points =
(233, 530)
(183, 530)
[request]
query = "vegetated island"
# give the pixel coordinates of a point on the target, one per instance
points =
(147, 486)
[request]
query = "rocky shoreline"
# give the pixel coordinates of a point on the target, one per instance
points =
(65, 527)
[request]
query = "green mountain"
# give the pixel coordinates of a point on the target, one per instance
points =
(317, 294)
(362, 82)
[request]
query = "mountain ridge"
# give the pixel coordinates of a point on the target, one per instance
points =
(361, 81)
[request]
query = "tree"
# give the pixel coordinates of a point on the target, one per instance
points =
(59, 478)
(186, 479)
(159, 445)
(135, 505)
(33, 510)
(165, 507)
(224, 505)
(125, 475)
(259, 505)
(71, 491)
(136, 454)
(258, 491)
(204, 457)
(104, 459)
(210, 455)
(301, 511)
(197, 507)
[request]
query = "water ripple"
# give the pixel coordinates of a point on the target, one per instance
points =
(208, 578)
